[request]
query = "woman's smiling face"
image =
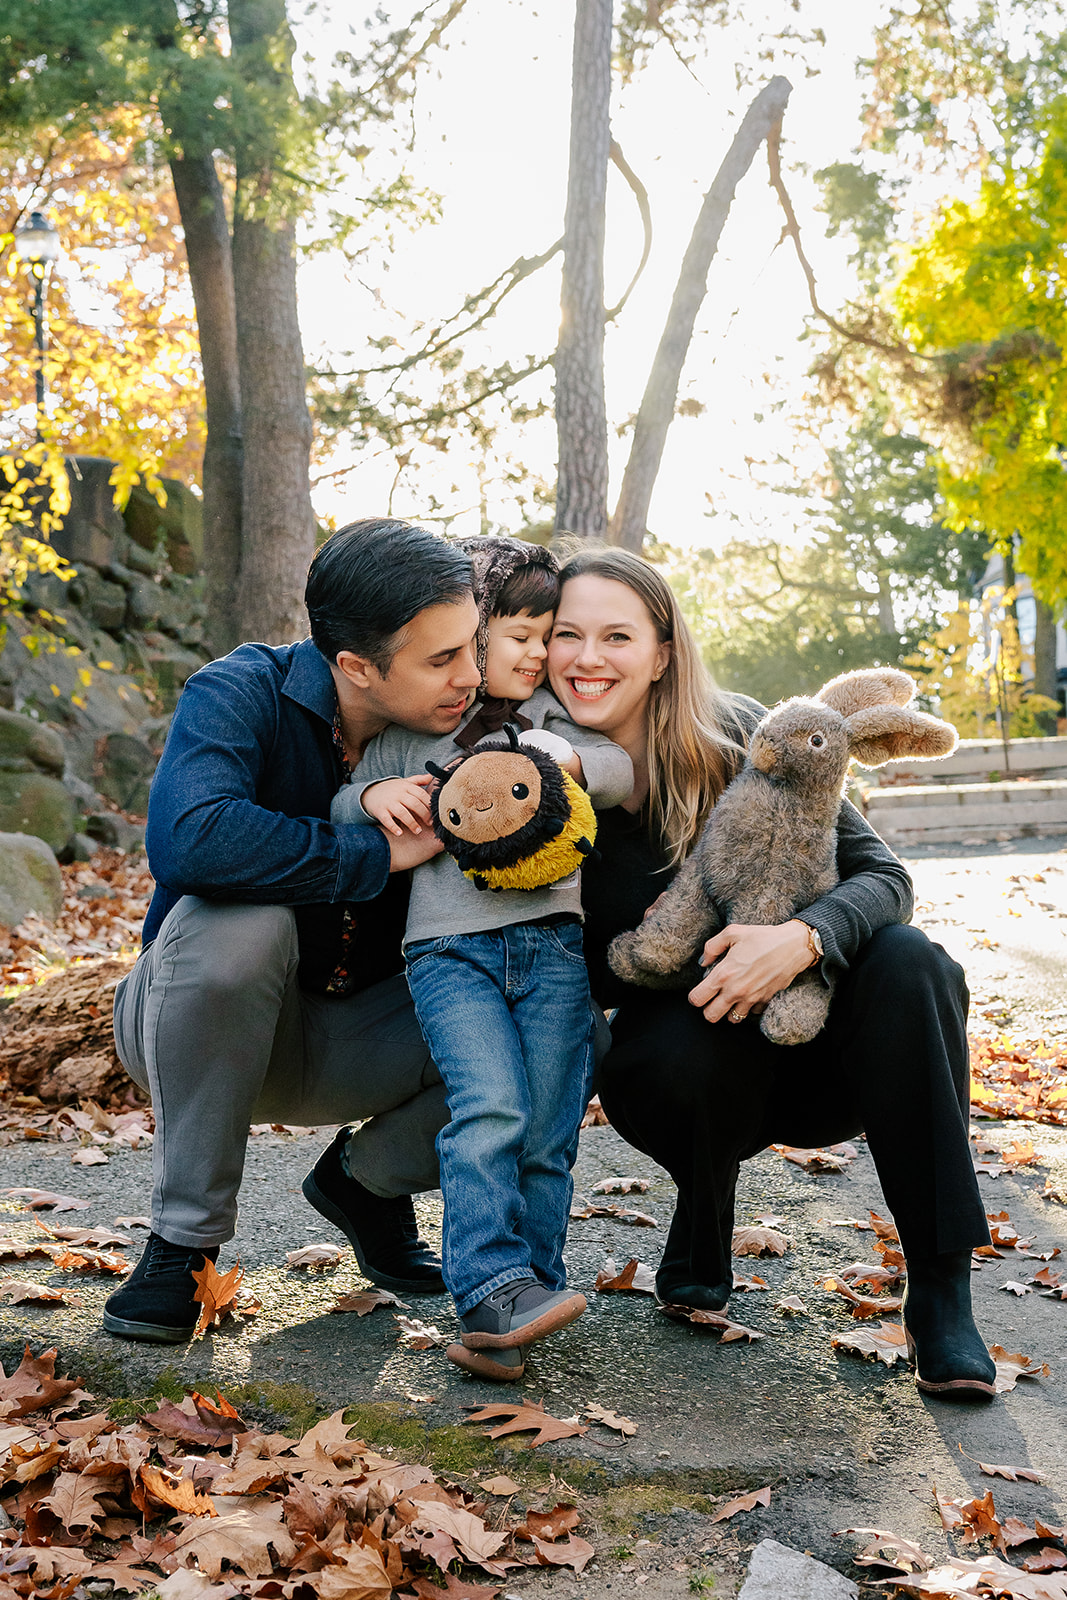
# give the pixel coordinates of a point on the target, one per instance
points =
(604, 655)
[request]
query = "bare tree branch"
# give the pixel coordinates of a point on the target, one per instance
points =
(641, 196)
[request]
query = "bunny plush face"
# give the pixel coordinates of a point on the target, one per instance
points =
(802, 743)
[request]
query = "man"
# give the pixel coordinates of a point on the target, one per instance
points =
(269, 986)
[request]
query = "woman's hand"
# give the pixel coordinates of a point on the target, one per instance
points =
(749, 965)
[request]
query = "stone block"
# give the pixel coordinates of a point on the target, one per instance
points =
(144, 600)
(26, 743)
(123, 770)
(170, 664)
(108, 828)
(776, 1572)
(177, 527)
(93, 524)
(31, 802)
(103, 602)
(30, 880)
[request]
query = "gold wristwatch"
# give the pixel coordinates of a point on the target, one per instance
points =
(814, 942)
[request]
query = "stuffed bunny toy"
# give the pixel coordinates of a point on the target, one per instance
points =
(768, 849)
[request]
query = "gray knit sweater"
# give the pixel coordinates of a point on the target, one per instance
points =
(443, 901)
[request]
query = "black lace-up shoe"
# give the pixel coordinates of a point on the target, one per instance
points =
(518, 1313)
(156, 1301)
(384, 1234)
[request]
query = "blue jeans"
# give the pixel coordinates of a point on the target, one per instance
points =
(507, 1018)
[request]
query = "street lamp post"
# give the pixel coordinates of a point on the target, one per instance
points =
(38, 243)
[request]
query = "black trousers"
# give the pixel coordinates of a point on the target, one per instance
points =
(892, 1062)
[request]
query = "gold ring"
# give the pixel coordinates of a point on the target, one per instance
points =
(736, 1016)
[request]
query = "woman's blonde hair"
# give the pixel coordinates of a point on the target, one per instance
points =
(694, 741)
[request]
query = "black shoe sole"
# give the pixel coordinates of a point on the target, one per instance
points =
(432, 1284)
(148, 1332)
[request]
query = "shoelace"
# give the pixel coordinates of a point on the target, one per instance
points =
(165, 1258)
(510, 1292)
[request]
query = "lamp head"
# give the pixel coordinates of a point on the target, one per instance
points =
(38, 240)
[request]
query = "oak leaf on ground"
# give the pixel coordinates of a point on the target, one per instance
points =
(612, 1419)
(635, 1278)
(243, 1538)
(43, 1199)
(215, 1294)
(743, 1502)
(527, 1417)
(33, 1385)
(366, 1301)
(1012, 1367)
(759, 1242)
(886, 1342)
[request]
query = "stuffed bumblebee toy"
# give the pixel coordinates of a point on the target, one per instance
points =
(511, 816)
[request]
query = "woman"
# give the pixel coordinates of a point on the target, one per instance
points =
(690, 1079)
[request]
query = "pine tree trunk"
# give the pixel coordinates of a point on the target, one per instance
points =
(628, 526)
(581, 412)
(278, 523)
(207, 246)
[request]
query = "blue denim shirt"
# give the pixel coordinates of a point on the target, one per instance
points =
(240, 803)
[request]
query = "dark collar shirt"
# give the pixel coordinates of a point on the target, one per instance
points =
(239, 811)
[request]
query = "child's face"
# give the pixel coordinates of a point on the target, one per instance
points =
(516, 654)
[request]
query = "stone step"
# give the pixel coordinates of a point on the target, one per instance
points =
(938, 811)
(974, 760)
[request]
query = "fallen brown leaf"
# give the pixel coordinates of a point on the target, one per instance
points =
(743, 1502)
(717, 1320)
(24, 1291)
(417, 1335)
(43, 1199)
(889, 1550)
(635, 1277)
(33, 1385)
(316, 1256)
(885, 1343)
(366, 1301)
(215, 1294)
(611, 1419)
(548, 1524)
(748, 1285)
(500, 1485)
(621, 1186)
(572, 1552)
(1010, 1368)
(524, 1418)
(759, 1242)
(792, 1306)
(835, 1159)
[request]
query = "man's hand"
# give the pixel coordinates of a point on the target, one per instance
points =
(749, 965)
(411, 850)
(399, 803)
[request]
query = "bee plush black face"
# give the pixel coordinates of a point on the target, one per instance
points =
(499, 805)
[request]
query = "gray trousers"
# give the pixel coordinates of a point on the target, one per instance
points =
(213, 1024)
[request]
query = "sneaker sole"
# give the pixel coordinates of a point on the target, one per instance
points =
(385, 1280)
(949, 1388)
(480, 1363)
(550, 1321)
(148, 1332)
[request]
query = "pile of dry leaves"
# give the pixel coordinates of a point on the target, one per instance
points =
(194, 1493)
(104, 905)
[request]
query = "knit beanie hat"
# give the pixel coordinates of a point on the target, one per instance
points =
(495, 558)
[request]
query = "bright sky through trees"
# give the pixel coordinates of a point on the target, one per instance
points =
(491, 130)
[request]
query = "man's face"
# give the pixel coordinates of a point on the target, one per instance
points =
(428, 685)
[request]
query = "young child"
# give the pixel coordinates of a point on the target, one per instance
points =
(499, 983)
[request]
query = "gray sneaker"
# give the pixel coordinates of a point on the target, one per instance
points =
(517, 1313)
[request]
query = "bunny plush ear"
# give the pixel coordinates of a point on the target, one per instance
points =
(878, 734)
(874, 686)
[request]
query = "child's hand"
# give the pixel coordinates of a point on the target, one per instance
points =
(399, 803)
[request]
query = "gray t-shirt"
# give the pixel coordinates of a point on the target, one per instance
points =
(443, 901)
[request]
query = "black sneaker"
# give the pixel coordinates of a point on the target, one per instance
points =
(505, 1366)
(383, 1233)
(518, 1313)
(156, 1301)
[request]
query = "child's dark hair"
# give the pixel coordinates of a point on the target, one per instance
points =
(533, 589)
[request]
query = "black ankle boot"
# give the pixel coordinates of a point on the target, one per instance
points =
(156, 1302)
(675, 1285)
(384, 1234)
(949, 1353)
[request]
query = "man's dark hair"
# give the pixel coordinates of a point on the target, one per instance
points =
(371, 578)
(533, 589)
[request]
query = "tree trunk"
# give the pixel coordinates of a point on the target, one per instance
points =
(581, 411)
(207, 246)
(1045, 659)
(278, 523)
(661, 392)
